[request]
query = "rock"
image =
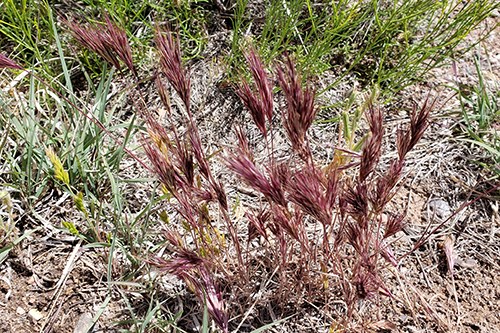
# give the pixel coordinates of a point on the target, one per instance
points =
(440, 208)
(35, 314)
(84, 324)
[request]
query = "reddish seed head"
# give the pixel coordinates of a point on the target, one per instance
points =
(185, 260)
(372, 147)
(257, 224)
(246, 169)
(300, 108)
(108, 41)
(254, 105)
(262, 83)
(385, 185)
(162, 166)
(164, 95)
(192, 269)
(419, 121)
(394, 224)
(194, 138)
(243, 145)
(308, 192)
(6, 62)
(357, 201)
(260, 102)
(290, 224)
(366, 283)
(119, 43)
(171, 64)
(209, 293)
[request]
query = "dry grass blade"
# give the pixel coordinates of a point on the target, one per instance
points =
(448, 246)
(60, 284)
(448, 250)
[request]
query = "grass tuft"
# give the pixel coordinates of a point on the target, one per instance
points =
(481, 117)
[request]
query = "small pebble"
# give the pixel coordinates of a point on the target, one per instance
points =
(84, 323)
(35, 314)
(440, 207)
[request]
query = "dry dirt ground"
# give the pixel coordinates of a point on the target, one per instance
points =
(52, 282)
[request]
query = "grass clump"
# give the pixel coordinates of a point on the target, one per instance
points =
(481, 117)
(318, 233)
(25, 30)
(64, 145)
(76, 137)
(321, 232)
(390, 44)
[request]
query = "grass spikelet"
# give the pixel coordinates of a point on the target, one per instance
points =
(59, 172)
